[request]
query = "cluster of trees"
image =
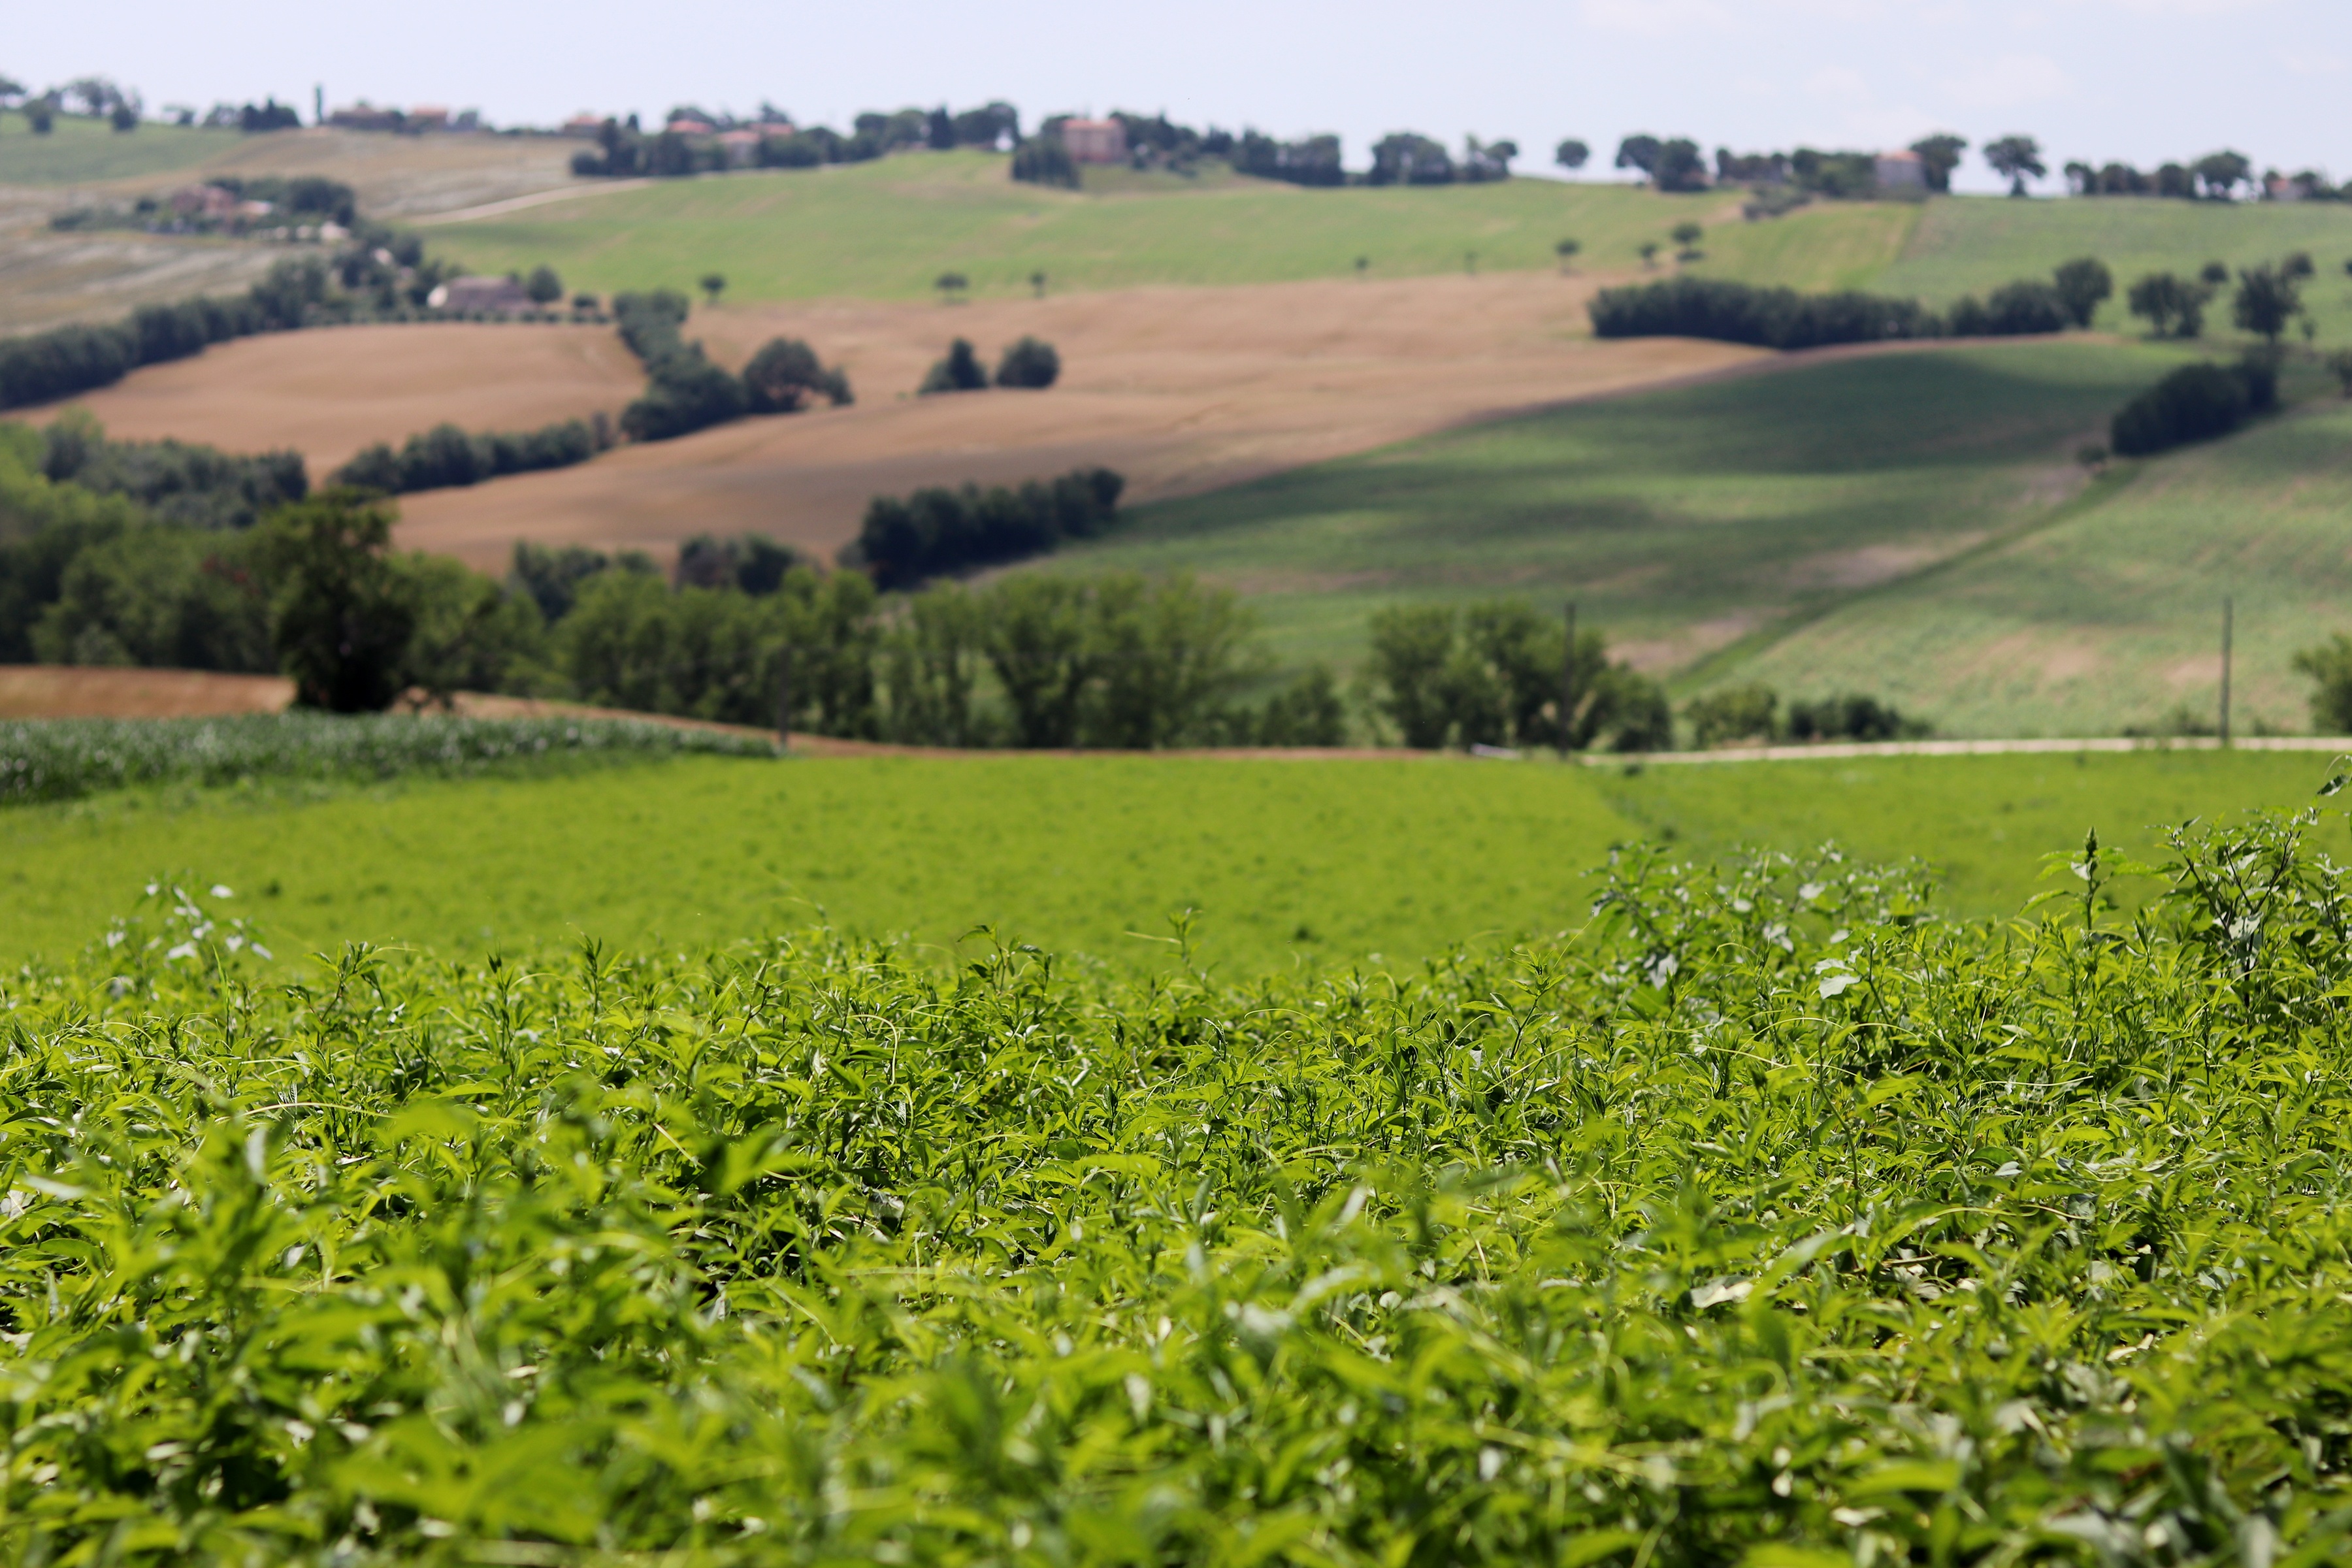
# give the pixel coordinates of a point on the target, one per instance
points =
(447, 458)
(2195, 403)
(1401, 158)
(1783, 319)
(1500, 674)
(1030, 363)
(2268, 298)
(1409, 158)
(39, 367)
(1752, 712)
(685, 392)
(683, 146)
(2216, 177)
(97, 97)
(936, 532)
(176, 482)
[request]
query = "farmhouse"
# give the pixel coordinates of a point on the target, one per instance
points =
(585, 124)
(1095, 140)
(205, 202)
(1900, 172)
(742, 147)
(503, 295)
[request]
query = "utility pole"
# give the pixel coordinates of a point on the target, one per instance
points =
(2225, 669)
(785, 697)
(1567, 683)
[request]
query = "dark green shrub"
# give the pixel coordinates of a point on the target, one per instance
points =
(1746, 712)
(1741, 314)
(1852, 717)
(2194, 402)
(785, 375)
(959, 372)
(1030, 362)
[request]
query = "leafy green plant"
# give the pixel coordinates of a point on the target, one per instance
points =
(1764, 1220)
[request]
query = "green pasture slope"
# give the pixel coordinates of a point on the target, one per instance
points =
(79, 151)
(887, 229)
(1724, 506)
(1286, 863)
(2111, 616)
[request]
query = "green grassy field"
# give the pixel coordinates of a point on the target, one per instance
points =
(1976, 243)
(1287, 862)
(2111, 616)
(886, 229)
(1688, 516)
(78, 150)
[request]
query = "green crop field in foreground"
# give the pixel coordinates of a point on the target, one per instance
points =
(78, 150)
(1687, 517)
(1286, 862)
(1764, 1223)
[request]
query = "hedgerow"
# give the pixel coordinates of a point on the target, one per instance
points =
(61, 758)
(1768, 1220)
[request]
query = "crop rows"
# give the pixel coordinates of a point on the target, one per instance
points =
(1768, 1220)
(61, 758)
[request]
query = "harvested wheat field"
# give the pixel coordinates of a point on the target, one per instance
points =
(329, 392)
(74, 691)
(1182, 390)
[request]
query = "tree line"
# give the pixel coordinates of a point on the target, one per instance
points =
(685, 392)
(447, 458)
(683, 147)
(1735, 313)
(939, 531)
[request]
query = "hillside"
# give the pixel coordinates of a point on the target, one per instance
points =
(1681, 522)
(2111, 616)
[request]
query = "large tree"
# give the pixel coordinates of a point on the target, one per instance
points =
(2267, 300)
(1639, 151)
(1939, 155)
(2084, 285)
(343, 614)
(2222, 173)
(2016, 159)
(1572, 154)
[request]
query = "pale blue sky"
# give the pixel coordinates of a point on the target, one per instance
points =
(2139, 79)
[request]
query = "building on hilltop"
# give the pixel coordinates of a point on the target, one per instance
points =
(365, 116)
(1900, 172)
(585, 124)
(428, 117)
(1095, 140)
(742, 147)
(501, 296)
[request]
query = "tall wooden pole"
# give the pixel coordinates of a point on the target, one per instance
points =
(785, 697)
(2225, 669)
(1568, 684)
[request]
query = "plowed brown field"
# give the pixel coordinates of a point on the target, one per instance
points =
(329, 392)
(1183, 390)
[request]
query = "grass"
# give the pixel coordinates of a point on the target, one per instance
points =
(80, 150)
(886, 229)
(1314, 863)
(1767, 1223)
(2112, 617)
(1683, 519)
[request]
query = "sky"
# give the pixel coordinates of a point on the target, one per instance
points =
(2140, 80)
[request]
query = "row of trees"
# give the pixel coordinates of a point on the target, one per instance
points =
(1030, 365)
(1751, 711)
(686, 143)
(447, 458)
(2195, 403)
(175, 482)
(1727, 311)
(1500, 674)
(2268, 299)
(937, 531)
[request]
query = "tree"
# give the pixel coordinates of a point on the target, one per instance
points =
(2015, 159)
(1037, 284)
(959, 372)
(2214, 273)
(1408, 158)
(1566, 251)
(1572, 154)
(2329, 664)
(714, 284)
(1679, 166)
(1685, 235)
(2299, 266)
(2084, 286)
(2267, 300)
(343, 614)
(543, 286)
(1649, 249)
(784, 376)
(1939, 155)
(939, 130)
(1639, 151)
(1043, 160)
(2222, 173)
(1030, 362)
(2173, 307)
(951, 286)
